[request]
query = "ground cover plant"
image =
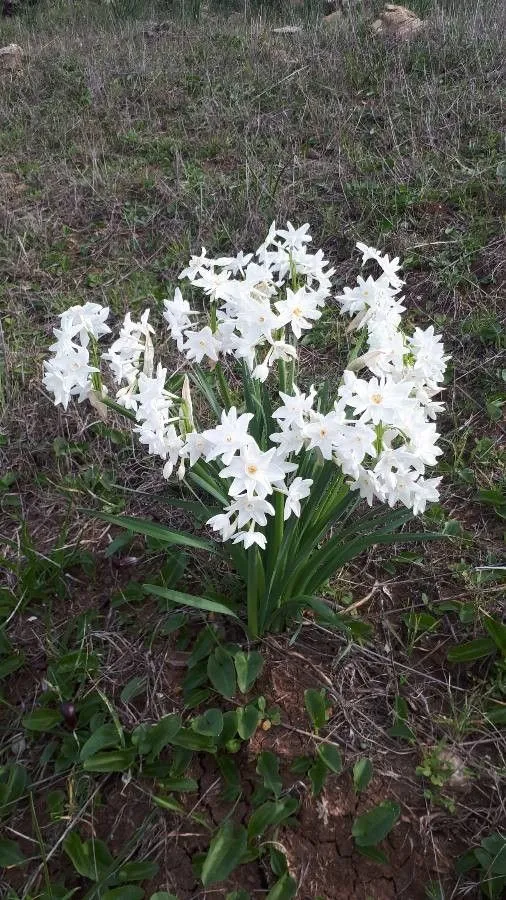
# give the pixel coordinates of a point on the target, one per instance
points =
(151, 745)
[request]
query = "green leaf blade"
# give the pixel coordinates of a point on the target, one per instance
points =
(226, 851)
(371, 827)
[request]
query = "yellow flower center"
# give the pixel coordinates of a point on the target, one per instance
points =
(377, 398)
(297, 311)
(251, 470)
(323, 432)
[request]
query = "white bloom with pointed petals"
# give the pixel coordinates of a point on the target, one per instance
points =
(86, 321)
(201, 343)
(295, 407)
(254, 471)
(248, 538)
(198, 265)
(294, 238)
(251, 509)
(299, 310)
(299, 489)
(224, 524)
(229, 437)
(195, 447)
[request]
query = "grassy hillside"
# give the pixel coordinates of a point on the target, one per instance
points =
(132, 136)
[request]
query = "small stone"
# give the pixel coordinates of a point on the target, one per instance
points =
(397, 22)
(460, 777)
(334, 18)
(11, 58)
(287, 29)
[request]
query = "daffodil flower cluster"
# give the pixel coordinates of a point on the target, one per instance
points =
(69, 373)
(379, 432)
(256, 305)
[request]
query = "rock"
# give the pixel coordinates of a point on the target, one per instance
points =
(287, 29)
(397, 22)
(334, 18)
(11, 58)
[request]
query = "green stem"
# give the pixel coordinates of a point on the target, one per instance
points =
(107, 401)
(223, 387)
(282, 375)
(290, 367)
(252, 599)
(276, 538)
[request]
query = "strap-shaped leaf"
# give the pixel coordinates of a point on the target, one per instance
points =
(325, 562)
(159, 532)
(203, 603)
(204, 384)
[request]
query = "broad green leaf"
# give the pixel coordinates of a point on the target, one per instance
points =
(248, 719)
(495, 845)
(362, 774)
(125, 892)
(133, 688)
(496, 715)
(221, 672)
(301, 765)
(162, 895)
(284, 889)
(278, 861)
(331, 757)
(229, 726)
(138, 871)
(375, 854)
(42, 720)
(497, 632)
(190, 740)
(177, 783)
(271, 813)
(268, 768)
(206, 642)
(317, 707)
(318, 775)
(11, 664)
(226, 851)
(400, 728)
(472, 650)
(105, 736)
(210, 723)
(371, 827)
(248, 667)
(159, 735)
(230, 773)
(13, 781)
(10, 853)
(203, 603)
(160, 532)
(110, 761)
(89, 858)
(465, 862)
